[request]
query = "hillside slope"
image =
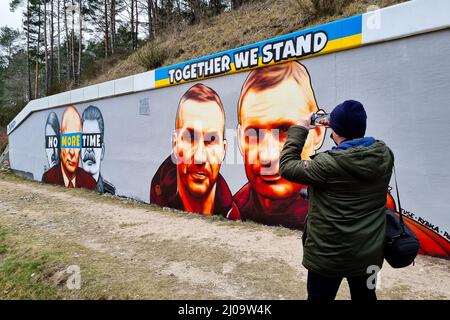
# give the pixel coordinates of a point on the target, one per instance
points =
(253, 22)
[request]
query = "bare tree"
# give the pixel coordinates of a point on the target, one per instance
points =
(137, 26)
(132, 24)
(80, 46)
(28, 51)
(155, 16)
(46, 48)
(150, 19)
(52, 43)
(72, 11)
(59, 41)
(113, 26)
(36, 82)
(236, 3)
(106, 29)
(66, 26)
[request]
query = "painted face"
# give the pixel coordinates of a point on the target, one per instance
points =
(52, 153)
(91, 156)
(266, 116)
(71, 123)
(199, 146)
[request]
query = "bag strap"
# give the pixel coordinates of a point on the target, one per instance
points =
(398, 199)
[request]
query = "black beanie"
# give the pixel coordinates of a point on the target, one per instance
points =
(349, 119)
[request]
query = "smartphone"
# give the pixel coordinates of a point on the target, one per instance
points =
(318, 119)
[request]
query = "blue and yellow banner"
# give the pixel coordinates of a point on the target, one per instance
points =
(330, 37)
(71, 140)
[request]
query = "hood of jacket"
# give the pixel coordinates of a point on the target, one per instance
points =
(364, 158)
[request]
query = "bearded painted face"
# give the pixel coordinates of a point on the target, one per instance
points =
(91, 152)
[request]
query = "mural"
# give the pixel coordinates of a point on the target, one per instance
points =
(170, 146)
(75, 150)
(269, 101)
(272, 99)
(52, 141)
(189, 178)
(93, 147)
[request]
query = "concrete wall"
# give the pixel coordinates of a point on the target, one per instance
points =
(403, 84)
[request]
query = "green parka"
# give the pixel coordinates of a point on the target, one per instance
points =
(347, 197)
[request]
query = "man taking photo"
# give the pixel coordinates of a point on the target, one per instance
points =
(345, 229)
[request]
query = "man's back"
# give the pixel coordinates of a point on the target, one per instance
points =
(345, 231)
(346, 226)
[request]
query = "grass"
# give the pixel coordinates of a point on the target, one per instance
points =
(34, 266)
(22, 270)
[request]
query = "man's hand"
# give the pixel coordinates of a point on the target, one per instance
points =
(325, 122)
(306, 122)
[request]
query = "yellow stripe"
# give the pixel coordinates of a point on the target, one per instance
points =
(340, 44)
(162, 83)
(332, 46)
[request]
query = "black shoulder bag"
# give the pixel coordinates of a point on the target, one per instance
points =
(401, 245)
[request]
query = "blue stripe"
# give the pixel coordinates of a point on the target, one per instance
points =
(334, 30)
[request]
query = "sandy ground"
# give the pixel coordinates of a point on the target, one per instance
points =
(169, 255)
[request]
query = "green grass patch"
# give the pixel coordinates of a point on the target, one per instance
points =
(22, 272)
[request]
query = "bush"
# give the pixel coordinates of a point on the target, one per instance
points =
(8, 113)
(151, 57)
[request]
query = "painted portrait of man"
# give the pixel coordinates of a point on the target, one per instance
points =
(52, 150)
(93, 147)
(68, 173)
(189, 179)
(272, 99)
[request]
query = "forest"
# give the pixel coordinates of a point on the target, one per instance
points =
(61, 40)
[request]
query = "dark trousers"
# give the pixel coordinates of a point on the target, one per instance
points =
(322, 288)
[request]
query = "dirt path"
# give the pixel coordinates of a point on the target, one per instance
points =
(154, 253)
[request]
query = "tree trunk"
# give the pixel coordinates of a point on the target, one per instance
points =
(59, 42)
(137, 25)
(113, 26)
(73, 43)
(36, 83)
(106, 29)
(155, 16)
(150, 19)
(45, 48)
(80, 47)
(52, 43)
(30, 93)
(68, 59)
(236, 3)
(132, 24)
(195, 7)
